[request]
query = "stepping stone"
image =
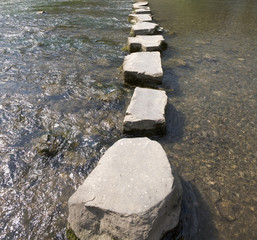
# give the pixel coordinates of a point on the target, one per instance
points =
(145, 114)
(141, 7)
(147, 43)
(134, 18)
(131, 194)
(143, 69)
(146, 10)
(139, 4)
(144, 28)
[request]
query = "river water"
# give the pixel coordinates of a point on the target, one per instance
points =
(211, 66)
(62, 103)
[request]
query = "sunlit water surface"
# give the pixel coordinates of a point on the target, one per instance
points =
(62, 102)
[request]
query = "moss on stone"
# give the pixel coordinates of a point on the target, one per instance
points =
(125, 48)
(70, 234)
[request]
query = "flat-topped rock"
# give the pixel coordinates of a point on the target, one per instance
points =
(140, 4)
(143, 69)
(134, 18)
(141, 7)
(145, 10)
(147, 43)
(144, 28)
(131, 194)
(145, 114)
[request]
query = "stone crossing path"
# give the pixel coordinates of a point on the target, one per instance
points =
(133, 192)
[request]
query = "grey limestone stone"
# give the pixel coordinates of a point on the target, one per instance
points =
(144, 28)
(145, 10)
(134, 18)
(147, 43)
(139, 7)
(143, 68)
(140, 4)
(132, 194)
(145, 114)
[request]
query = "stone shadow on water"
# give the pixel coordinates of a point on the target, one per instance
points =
(170, 81)
(175, 122)
(195, 222)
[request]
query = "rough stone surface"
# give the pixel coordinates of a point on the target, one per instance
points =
(141, 7)
(146, 112)
(132, 194)
(144, 28)
(134, 18)
(140, 4)
(143, 68)
(145, 10)
(147, 43)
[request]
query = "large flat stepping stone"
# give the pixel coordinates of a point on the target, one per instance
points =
(131, 194)
(145, 114)
(147, 43)
(144, 28)
(143, 69)
(134, 18)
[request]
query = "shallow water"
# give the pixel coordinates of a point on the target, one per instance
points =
(62, 102)
(211, 67)
(61, 105)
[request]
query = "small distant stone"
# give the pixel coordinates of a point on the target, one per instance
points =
(134, 18)
(144, 28)
(241, 59)
(145, 10)
(139, 5)
(40, 12)
(142, 7)
(147, 43)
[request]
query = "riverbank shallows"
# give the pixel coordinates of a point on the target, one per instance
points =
(131, 194)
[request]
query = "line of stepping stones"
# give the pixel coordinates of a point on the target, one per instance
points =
(133, 193)
(146, 112)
